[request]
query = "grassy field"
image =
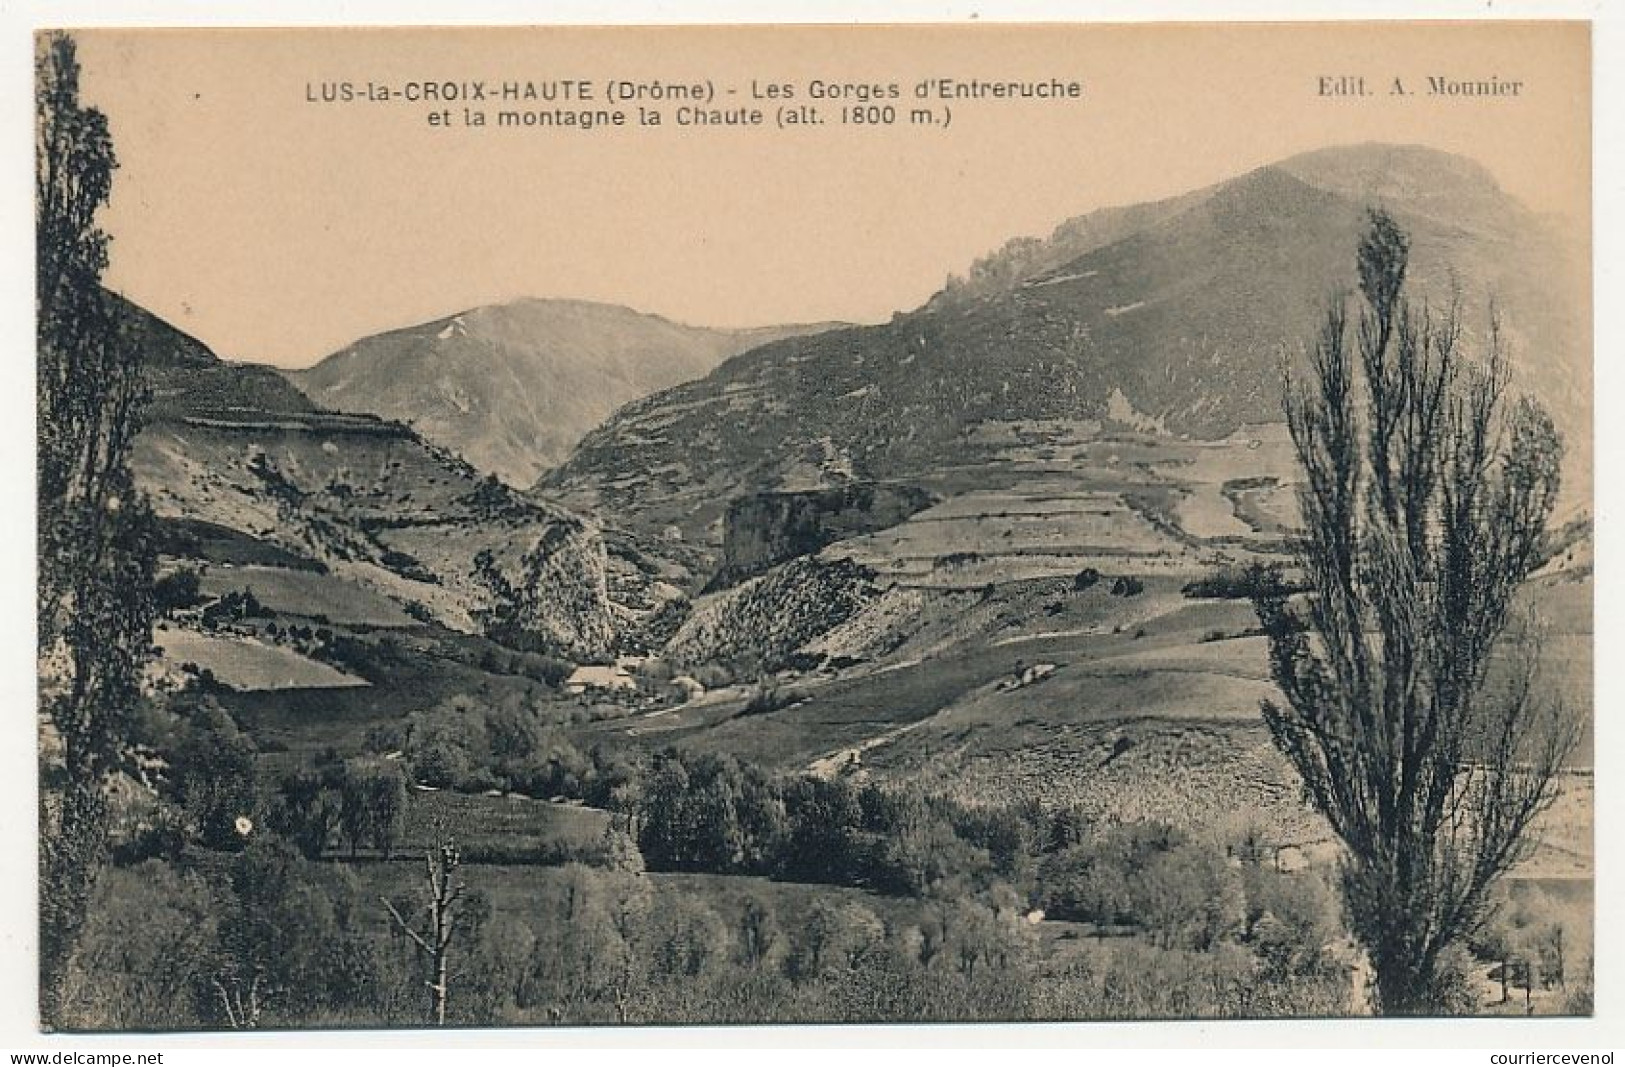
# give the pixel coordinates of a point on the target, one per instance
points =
(250, 665)
(480, 820)
(1206, 512)
(1228, 657)
(1567, 845)
(306, 593)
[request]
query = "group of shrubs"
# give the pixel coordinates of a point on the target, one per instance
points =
(260, 938)
(1196, 928)
(511, 744)
(1188, 894)
(1124, 585)
(1232, 581)
(236, 606)
(190, 942)
(769, 696)
(176, 590)
(358, 802)
(209, 792)
(269, 938)
(475, 746)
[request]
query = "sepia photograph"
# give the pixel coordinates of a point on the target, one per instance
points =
(758, 525)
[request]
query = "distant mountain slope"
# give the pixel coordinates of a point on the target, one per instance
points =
(239, 449)
(1172, 316)
(187, 379)
(513, 387)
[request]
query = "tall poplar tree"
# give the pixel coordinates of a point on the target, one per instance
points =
(94, 532)
(1412, 713)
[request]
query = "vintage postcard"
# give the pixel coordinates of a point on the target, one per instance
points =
(980, 523)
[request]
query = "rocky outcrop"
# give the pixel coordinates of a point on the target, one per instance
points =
(551, 596)
(758, 624)
(763, 530)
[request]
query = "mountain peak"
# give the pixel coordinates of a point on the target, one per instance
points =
(513, 386)
(1169, 314)
(558, 305)
(1377, 158)
(1408, 176)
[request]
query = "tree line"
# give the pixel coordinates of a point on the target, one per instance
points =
(265, 937)
(891, 885)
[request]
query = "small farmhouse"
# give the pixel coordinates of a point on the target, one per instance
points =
(597, 676)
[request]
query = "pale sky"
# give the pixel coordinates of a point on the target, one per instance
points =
(278, 230)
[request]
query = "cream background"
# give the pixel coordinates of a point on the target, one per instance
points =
(278, 231)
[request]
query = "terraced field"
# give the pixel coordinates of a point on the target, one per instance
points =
(1042, 528)
(1048, 498)
(958, 651)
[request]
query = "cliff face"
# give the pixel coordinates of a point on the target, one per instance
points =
(764, 529)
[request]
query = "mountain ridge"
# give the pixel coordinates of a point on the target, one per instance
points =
(513, 386)
(1177, 312)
